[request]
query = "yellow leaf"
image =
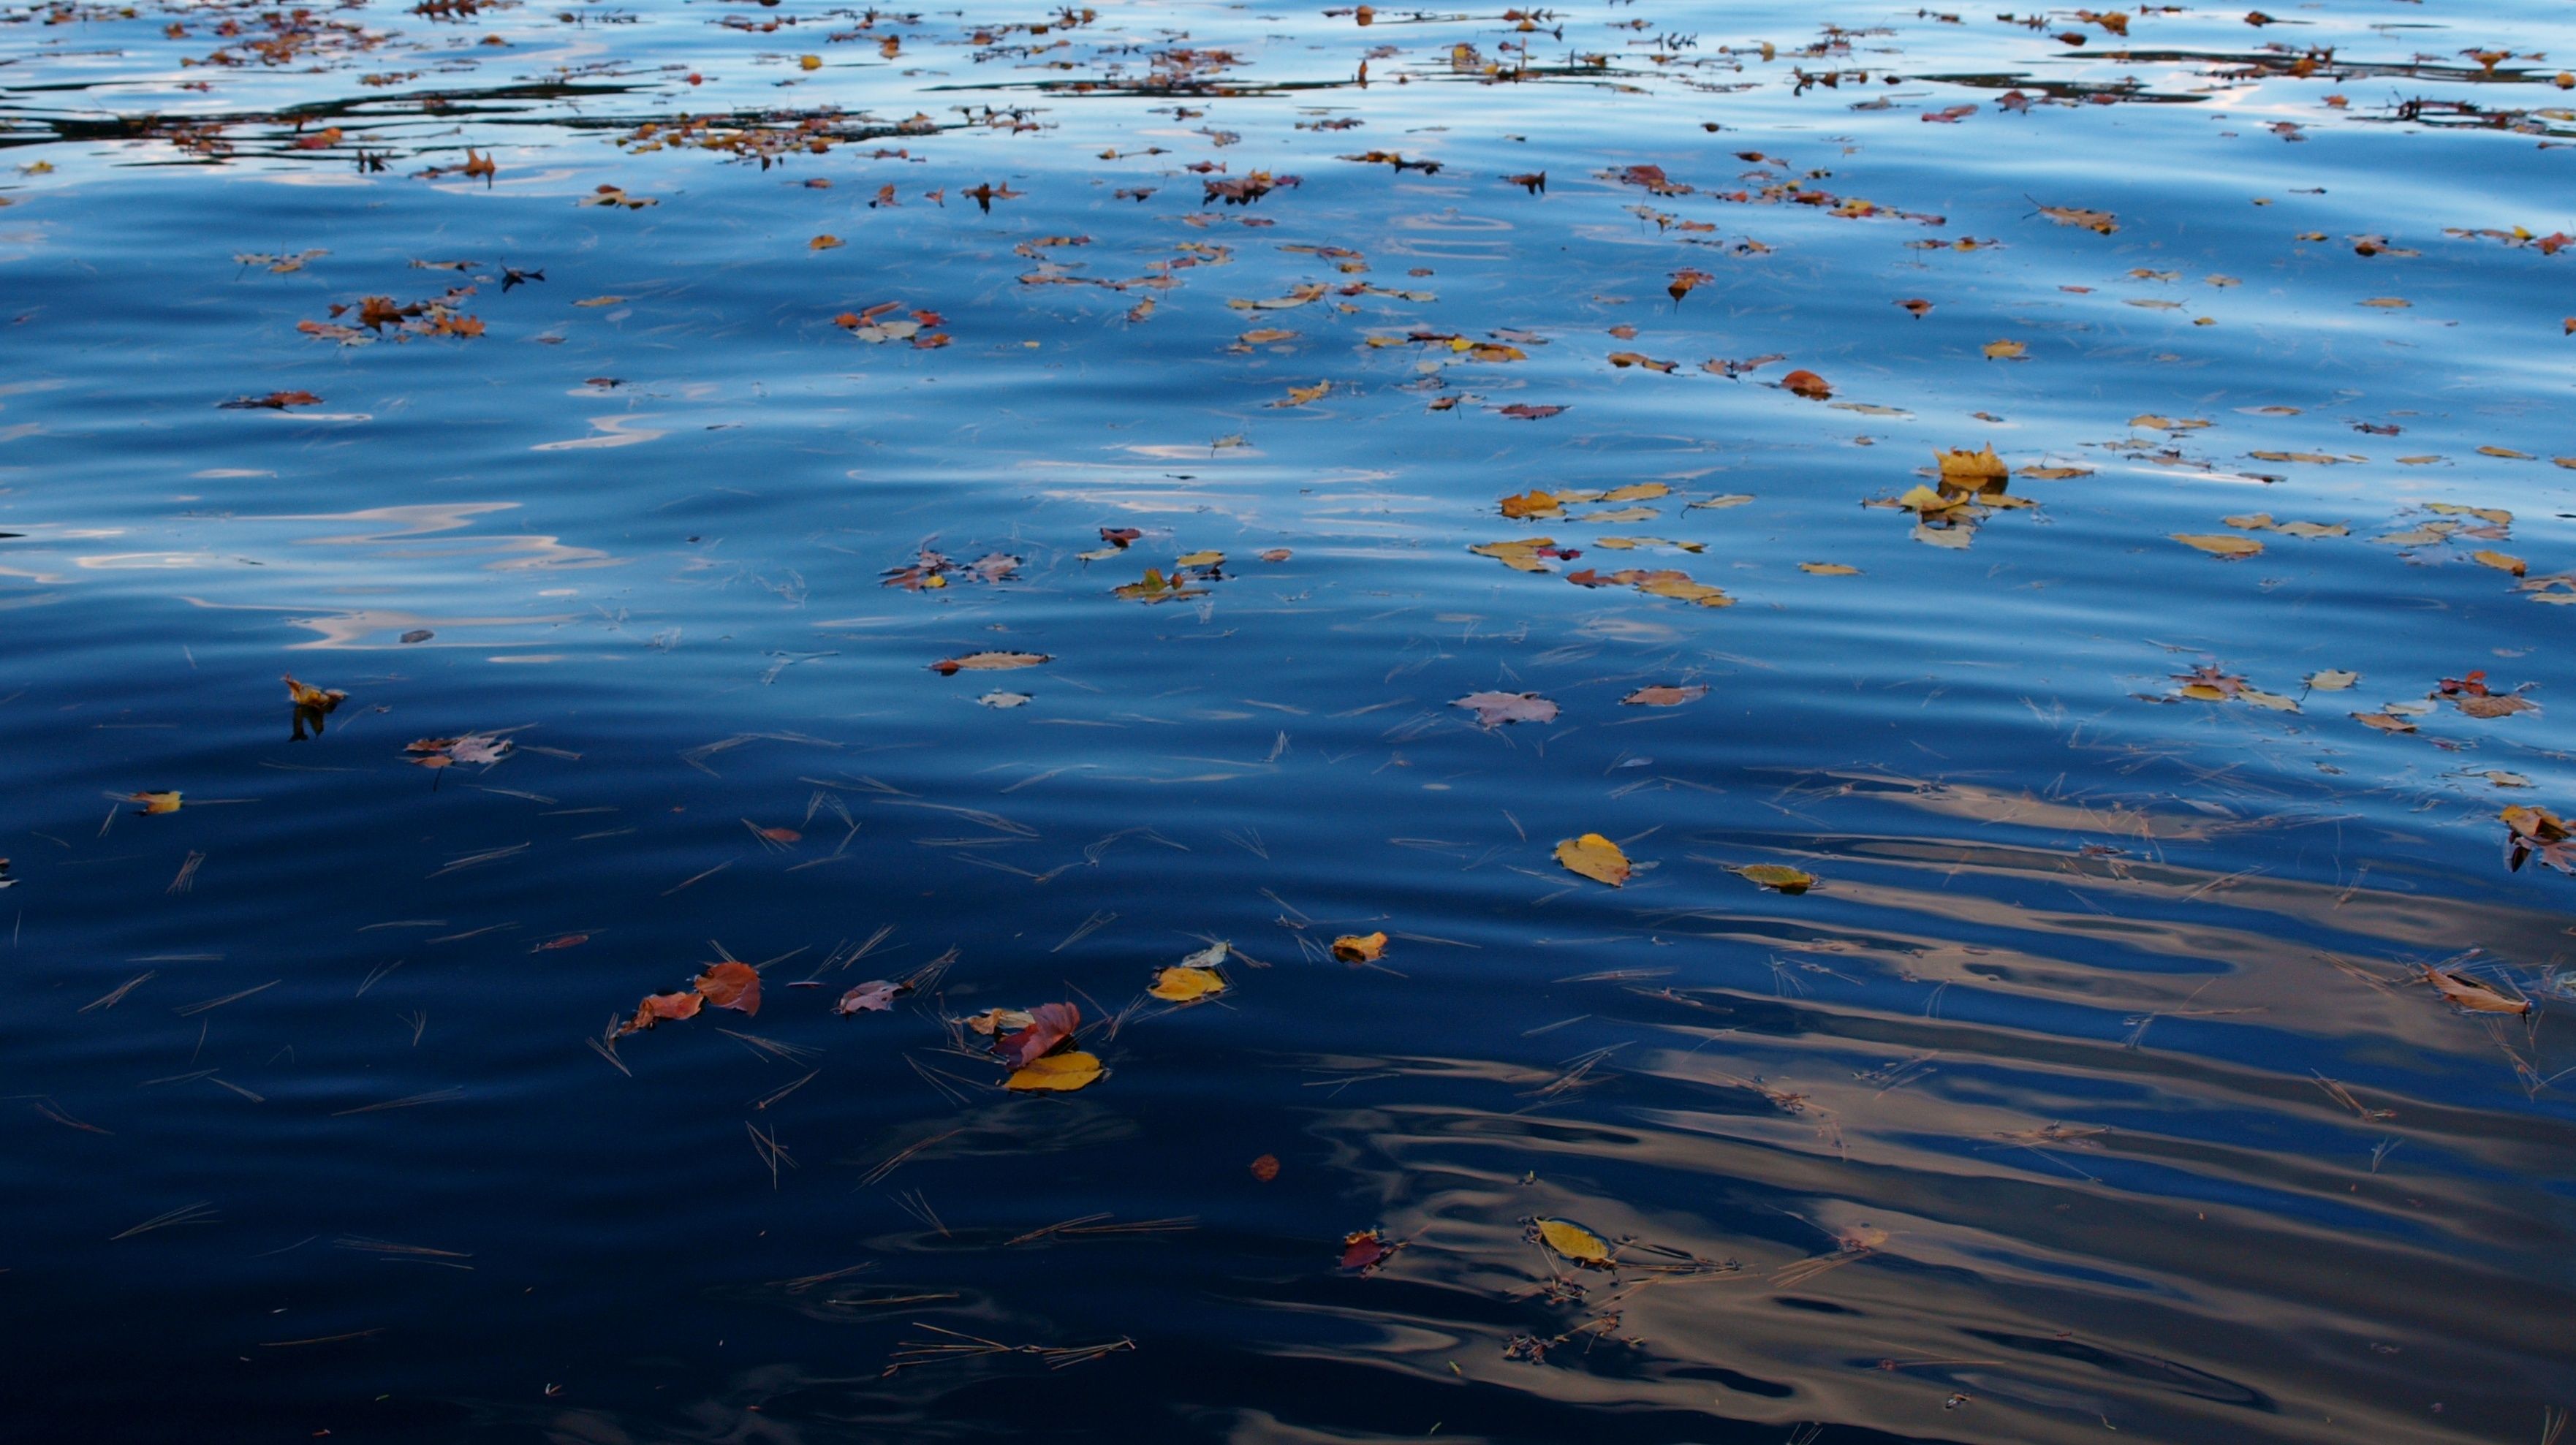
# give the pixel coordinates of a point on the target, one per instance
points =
(1574, 1242)
(1182, 984)
(1963, 468)
(1779, 877)
(2230, 547)
(2006, 351)
(1359, 947)
(2498, 515)
(1061, 1073)
(1521, 556)
(1681, 588)
(1300, 395)
(2253, 522)
(2272, 700)
(1637, 492)
(2500, 561)
(2388, 303)
(1828, 569)
(1596, 858)
(809, 62)
(1199, 559)
(822, 243)
(155, 802)
(2506, 452)
(1534, 503)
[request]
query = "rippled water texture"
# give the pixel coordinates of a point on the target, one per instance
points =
(626, 406)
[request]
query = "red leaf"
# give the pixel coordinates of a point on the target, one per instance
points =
(1049, 1025)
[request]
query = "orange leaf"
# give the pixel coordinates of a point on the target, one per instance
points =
(731, 985)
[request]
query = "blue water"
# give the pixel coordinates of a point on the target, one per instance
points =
(2096, 1084)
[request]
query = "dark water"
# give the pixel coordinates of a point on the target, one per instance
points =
(2097, 1084)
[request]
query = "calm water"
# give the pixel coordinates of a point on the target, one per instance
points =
(2096, 1085)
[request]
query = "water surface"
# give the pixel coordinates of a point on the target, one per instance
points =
(2096, 1084)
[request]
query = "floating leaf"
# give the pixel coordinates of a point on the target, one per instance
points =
(1807, 384)
(988, 662)
(1184, 984)
(1661, 695)
(1828, 569)
(2220, 546)
(2006, 351)
(155, 802)
(2500, 561)
(1365, 1250)
(1596, 858)
(2101, 221)
(660, 1006)
(1572, 1241)
(1057, 1073)
(731, 985)
(1266, 1168)
(1779, 877)
(875, 996)
(1493, 709)
(1359, 947)
(1980, 470)
(2473, 995)
(1048, 1025)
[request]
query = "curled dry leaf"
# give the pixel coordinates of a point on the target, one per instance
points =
(660, 1006)
(2473, 995)
(1778, 877)
(1493, 709)
(1596, 858)
(1056, 1073)
(155, 802)
(874, 996)
(988, 662)
(1048, 1025)
(1807, 384)
(1360, 947)
(1266, 1168)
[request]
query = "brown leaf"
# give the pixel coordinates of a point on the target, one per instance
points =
(731, 985)
(662, 1006)
(1661, 695)
(988, 662)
